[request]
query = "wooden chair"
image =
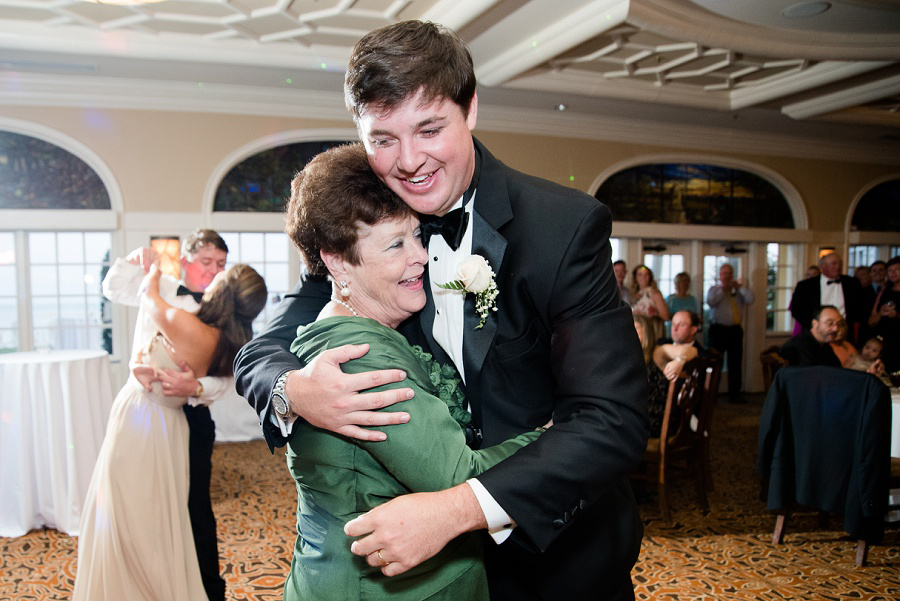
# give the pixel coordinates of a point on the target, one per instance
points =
(771, 362)
(713, 372)
(824, 443)
(683, 444)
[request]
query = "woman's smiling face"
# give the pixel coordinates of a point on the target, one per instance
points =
(387, 284)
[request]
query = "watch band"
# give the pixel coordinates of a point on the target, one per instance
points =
(280, 403)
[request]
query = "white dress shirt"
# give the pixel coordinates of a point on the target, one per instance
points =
(122, 284)
(449, 319)
(832, 294)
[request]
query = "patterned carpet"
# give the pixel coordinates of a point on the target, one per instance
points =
(725, 555)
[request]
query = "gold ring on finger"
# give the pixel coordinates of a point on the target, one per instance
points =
(381, 559)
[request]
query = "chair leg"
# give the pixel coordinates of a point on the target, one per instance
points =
(662, 491)
(700, 483)
(780, 523)
(707, 465)
(664, 509)
(862, 553)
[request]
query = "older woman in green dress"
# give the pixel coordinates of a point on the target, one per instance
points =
(348, 225)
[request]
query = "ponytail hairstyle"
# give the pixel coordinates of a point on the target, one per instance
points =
(230, 306)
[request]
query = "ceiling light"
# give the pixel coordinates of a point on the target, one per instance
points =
(805, 9)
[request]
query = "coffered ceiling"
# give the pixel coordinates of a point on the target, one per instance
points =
(807, 73)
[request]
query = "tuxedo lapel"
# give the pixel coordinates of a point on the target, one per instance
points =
(488, 243)
(490, 212)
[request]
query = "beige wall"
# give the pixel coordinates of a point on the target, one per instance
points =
(163, 161)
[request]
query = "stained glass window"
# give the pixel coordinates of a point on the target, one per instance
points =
(262, 182)
(695, 194)
(879, 209)
(35, 174)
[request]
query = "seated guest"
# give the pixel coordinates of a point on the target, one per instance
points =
(843, 350)
(659, 386)
(869, 356)
(812, 346)
(671, 356)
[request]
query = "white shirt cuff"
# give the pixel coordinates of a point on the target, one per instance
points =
(500, 525)
(284, 426)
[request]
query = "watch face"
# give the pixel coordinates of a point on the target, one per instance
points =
(279, 404)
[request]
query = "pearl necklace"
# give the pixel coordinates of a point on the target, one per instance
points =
(347, 305)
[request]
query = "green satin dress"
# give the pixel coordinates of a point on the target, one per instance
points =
(339, 479)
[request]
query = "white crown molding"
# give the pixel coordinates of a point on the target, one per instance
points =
(71, 91)
(171, 46)
(574, 82)
(818, 75)
(715, 139)
(456, 14)
(533, 45)
(99, 92)
(683, 20)
(846, 98)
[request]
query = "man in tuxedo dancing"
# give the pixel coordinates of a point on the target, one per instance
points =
(561, 343)
(203, 255)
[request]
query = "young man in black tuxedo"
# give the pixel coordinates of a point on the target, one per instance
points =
(561, 344)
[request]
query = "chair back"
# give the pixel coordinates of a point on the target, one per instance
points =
(824, 442)
(688, 412)
(771, 362)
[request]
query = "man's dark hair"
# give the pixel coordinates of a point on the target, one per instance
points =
(391, 64)
(200, 238)
(620, 262)
(818, 312)
(695, 319)
(878, 262)
(893, 261)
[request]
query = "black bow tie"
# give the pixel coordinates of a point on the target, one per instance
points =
(451, 226)
(183, 290)
(834, 281)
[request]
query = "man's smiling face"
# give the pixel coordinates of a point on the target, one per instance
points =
(423, 152)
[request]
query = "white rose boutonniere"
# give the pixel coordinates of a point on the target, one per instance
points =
(474, 274)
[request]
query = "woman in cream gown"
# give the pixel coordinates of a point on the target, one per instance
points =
(136, 542)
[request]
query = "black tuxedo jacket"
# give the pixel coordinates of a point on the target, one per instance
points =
(560, 345)
(807, 298)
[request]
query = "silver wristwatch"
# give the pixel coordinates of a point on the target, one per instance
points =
(280, 403)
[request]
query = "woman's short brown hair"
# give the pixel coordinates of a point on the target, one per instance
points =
(335, 192)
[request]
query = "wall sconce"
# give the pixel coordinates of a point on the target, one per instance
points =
(169, 250)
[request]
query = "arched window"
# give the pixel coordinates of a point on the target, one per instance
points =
(262, 183)
(51, 265)
(35, 174)
(879, 209)
(699, 194)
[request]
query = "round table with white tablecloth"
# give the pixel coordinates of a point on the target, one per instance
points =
(54, 407)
